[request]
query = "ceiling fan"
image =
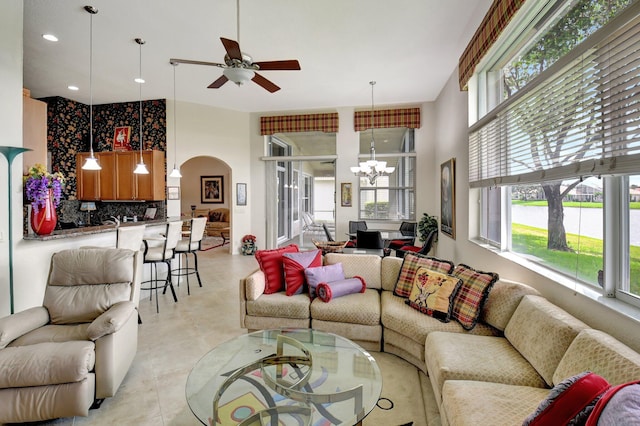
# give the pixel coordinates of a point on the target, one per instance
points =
(240, 68)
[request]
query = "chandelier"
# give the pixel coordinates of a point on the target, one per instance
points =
(372, 169)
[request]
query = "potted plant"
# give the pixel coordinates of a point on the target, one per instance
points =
(44, 191)
(426, 225)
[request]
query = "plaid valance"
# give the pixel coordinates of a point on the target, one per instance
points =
(496, 19)
(402, 117)
(327, 123)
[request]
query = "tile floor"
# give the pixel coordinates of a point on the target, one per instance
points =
(172, 341)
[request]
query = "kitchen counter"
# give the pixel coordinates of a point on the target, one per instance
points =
(97, 229)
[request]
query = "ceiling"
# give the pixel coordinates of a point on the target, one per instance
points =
(410, 47)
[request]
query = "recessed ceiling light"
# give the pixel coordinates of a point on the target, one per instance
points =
(73, 88)
(139, 80)
(49, 37)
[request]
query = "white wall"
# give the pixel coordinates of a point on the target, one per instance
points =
(11, 125)
(205, 131)
(191, 190)
(452, 141)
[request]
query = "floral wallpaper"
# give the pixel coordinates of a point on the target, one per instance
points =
(68, 134)
(68, 131)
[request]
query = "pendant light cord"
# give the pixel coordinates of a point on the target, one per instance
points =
(372, 148)
(140, 43)
(91, 82)
(175, 122)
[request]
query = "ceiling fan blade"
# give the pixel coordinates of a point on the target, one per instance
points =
(190, 62)
(260, 80)
(232, 47)
(218, 83)
(287, 65)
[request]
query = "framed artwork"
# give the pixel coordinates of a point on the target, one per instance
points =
(448, 198)
(122, 138)
(241, 194)
(212, 189)
(346, 199)
(173, 192)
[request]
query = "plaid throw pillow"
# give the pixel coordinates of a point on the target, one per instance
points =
(471, 296)
(410, 266)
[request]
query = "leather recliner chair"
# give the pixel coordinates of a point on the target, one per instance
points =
(58, 359)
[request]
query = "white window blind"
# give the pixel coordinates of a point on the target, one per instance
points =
(579, 117)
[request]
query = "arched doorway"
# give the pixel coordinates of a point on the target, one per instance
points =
(205, 186)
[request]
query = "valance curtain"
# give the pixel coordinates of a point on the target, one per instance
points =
(496, 19)
(580, 117)
(388, 118)
(327, 123)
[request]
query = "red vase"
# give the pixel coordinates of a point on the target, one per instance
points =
(44, 221)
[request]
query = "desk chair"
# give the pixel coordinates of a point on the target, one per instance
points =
(369, 240)
(188, 246)
(162, 253)
(408, 229)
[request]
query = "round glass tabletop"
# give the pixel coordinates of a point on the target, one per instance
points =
(284, 377)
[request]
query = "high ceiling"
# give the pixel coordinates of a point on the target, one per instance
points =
(410, 47)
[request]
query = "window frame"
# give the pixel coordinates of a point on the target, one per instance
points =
(485, 98)
(404, 173)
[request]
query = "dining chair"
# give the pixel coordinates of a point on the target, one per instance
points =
(327, 233)
(369, 240)
(163, 252)
(191, 245)
(408, 229)
(354, 227)
(425, 249)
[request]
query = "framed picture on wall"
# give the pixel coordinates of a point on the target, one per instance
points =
(173, 192)
(346, 196)
(122, 138)
(448, 198)
(241, 194)
(212, 189)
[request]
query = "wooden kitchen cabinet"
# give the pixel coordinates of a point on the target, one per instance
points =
(87, 181)
(117, 182)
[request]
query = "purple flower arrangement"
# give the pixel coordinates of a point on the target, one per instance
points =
(38, 183)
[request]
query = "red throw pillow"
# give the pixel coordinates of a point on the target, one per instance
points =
(294, 266)
(270, 262)
(569, 402)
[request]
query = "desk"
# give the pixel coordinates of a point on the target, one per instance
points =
(323, 376)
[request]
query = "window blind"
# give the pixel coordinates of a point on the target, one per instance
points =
(579, 117)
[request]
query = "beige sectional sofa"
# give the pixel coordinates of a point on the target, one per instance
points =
(497, 373)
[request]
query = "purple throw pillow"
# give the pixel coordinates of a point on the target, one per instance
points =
(322, 274)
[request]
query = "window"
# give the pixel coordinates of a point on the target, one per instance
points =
(304, 183)
(390, 197)
(553, 160)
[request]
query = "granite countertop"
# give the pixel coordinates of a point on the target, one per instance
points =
(97, 229)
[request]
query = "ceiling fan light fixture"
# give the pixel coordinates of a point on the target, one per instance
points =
(238, 75)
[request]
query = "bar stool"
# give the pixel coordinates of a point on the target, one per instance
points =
(161, 253)
(188, 246)
(130, 237)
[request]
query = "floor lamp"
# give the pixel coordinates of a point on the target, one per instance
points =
(11, 152)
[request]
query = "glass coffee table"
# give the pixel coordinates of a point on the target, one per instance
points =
(284, 377)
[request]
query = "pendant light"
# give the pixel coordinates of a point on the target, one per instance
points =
(91, 163)
(141, 169)
(175, 173)
(372, 169)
